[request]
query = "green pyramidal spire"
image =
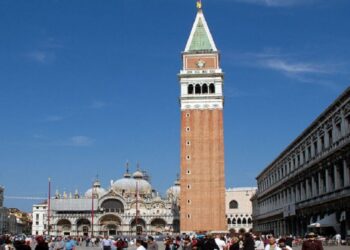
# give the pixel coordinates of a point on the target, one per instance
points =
(200, 38)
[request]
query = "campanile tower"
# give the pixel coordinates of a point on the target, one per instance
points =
(202, 197)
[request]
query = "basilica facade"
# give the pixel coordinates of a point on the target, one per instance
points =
(130, 206)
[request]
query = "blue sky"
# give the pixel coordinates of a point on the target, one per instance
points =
(86, 85)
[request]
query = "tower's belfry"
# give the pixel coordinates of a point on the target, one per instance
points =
(202, 136)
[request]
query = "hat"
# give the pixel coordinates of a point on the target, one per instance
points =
(311, 235)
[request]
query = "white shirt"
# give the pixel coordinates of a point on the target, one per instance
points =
(140, 248)
(276, 247)
(221, 244)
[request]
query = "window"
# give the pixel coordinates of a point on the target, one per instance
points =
(188, 201)
(322, 142)
(188, 115)
(188, 171)
(37, 223)
(188, 216)
(330, 138)
(37, 216)
(187, 129)
(205, 89)
(190, 89)
(188, 186)
(233, 204)
(188, 143)
(315, 148)
(188, 157)
(198, 89)
(211, 88)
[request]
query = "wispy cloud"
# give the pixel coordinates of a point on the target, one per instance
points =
(292, 66)
(73, 141)
(80, 141)
(53, 118)
(98, 104)
(41, 56)
(278, 3)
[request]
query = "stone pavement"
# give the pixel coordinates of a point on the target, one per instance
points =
(161, 247)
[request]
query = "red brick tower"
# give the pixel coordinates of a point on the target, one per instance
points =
(202, 197)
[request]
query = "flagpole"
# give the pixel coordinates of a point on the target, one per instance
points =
(49, 208)
(92, 211)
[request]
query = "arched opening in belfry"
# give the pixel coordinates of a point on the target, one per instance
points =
(198, 89)
(211, 88)
(205, 89)
(190, 89)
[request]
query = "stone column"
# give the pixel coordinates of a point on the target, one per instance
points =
(302, 197)
(326, 176)
(297, 193)
(313, 183)
(307, 188)
(320, 184)
(336, 177)
(346, 173)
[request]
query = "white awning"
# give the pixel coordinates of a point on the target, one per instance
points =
(327, 221)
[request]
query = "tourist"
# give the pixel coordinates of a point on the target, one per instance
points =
(209, 243)
(187, 244)
(106, 243)
(259, 243)
(221, 243)
(272, 245)
(151, 244)
(234, 244)
(69, 244)
(167, 243)
(338, 239)
(59, 244)
(8, 244)
(282, 243)
(311, 243)
(41, 244)
(139, 245)
(248, 243)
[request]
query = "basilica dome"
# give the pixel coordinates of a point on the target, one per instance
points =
(174, 191)
(96, 190)
(128, 185)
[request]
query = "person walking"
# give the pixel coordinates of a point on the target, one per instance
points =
(311, 242)
(282, 243)
(152, 245)
(106, 243)
(139, 245)
(272, 244)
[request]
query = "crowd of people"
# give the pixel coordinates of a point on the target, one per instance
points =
(240, 241)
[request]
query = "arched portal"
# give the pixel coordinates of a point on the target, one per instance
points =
(112, 206)
(137, 226)
(158, 226)
(64, 227)
(109, 225)
(83, 227)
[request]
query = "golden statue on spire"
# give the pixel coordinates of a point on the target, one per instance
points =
(199, 4)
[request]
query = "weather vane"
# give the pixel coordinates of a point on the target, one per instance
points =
(199, 4)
